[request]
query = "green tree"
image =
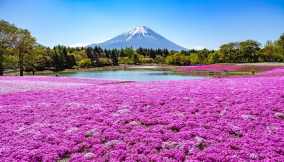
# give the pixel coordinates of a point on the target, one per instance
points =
(79, 55)
(249, 51)
(194, 58)
(159, 60)
(129, 52)
(135, 59)
(178, 59)
(280, 41)
(132, 56)
(8, 40)
(37, 59)
(98, 51)
(18, 39)
(25, 44)
(229, 52)
(58, 58)
(86, 62)
(279, 47)
(94, 55)
(62, 59)
(213, 58)
(114, 57)
(269, 53)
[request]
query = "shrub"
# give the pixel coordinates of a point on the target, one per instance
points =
(105, 61)
(159, 60)
(147, 60)
(195, 59)
(124, 60)
(177, 59)
(85, 63)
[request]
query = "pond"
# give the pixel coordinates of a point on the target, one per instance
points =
(133, 75)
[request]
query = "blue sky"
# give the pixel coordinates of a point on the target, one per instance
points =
(190, 23)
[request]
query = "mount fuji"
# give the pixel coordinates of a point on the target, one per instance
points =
(140, 36)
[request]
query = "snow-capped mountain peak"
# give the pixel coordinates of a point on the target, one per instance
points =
(140, 36)
(138, 30)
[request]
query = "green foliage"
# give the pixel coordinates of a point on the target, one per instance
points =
(152, 53)
(37, 60)
(94, 55)
(84, 63)
(147, 60)
(105, 61)
(131, 57)
(25, 45)
(61, 59)
(79, 55)
(129, 52)
(194, 58)
(136, 59)
(279, 47)
(7, 41)
(229, 52)
(177, 59)
(19, 50)
(249, 51)
(240, 52)
(114, 57)
(271, 53)
(213, 58)
(124, 60)
(20, 40)
(10, 62)
(159, 60)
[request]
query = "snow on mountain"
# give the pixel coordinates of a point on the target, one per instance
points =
(140, 36)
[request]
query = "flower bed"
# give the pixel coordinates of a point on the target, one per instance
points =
(211, 68)
(10, 84)
(219, 68)
(227, 119)
(273, 72)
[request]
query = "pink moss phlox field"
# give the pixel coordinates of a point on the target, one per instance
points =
(10, 84)
(211, 68)
(220, 119)
(273, 72)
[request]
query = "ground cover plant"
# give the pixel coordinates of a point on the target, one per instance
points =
(220, 119)
(230, 69)
(211, 68)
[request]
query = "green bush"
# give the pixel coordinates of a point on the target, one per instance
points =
(136, 58)
(124, 60)
(105, 61)
(194, 58)
(159, 60)
(85, 63)
(10, 62)
(177, 59)
(147, 60)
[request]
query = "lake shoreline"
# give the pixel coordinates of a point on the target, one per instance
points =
(245, 69)
(105, 68)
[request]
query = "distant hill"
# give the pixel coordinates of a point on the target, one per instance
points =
(140, 36)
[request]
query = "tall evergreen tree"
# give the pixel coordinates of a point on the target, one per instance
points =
(114, 57)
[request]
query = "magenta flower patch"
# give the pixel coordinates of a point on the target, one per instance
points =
(227, 119)
(211, 68)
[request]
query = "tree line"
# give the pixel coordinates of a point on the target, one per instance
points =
(20, 51)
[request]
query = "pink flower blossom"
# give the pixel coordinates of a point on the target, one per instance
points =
(218, 119)
(211, 68)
